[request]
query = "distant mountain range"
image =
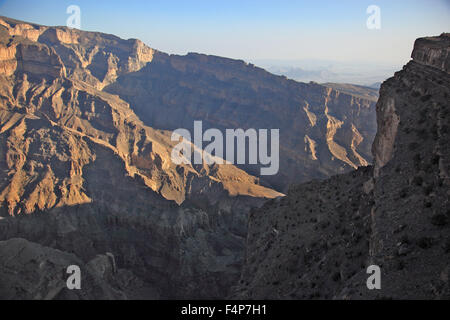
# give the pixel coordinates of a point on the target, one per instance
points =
(365, 74)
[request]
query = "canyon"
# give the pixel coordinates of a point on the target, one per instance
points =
(83, 178)
(86, 176)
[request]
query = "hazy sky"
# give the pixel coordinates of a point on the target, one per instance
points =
(260, 29)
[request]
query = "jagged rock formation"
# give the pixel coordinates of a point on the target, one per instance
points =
(224, 93)
(412, 189)
(305, 245)
(318, 241)
(54, 86)
(227, 93)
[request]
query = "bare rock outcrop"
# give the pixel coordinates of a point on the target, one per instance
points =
(226, 93)
(433, 52)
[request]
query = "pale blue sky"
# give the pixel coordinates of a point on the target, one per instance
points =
(259, 29)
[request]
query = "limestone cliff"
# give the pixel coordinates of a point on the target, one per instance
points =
(48, 281)
(226, 93)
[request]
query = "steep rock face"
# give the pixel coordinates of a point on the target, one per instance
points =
(433, 52)
(95, 58)
(18, 28)
(297, 248)
(412, 188)
(228, 94)
(8, 63)
(39, 60)
(388, 121)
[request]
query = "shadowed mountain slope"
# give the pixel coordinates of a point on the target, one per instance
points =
(318, 242)
(322, 131)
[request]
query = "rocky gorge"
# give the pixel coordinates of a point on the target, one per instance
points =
(86, 176)
(318, 241)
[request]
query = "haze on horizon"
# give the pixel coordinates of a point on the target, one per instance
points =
(282, 31)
